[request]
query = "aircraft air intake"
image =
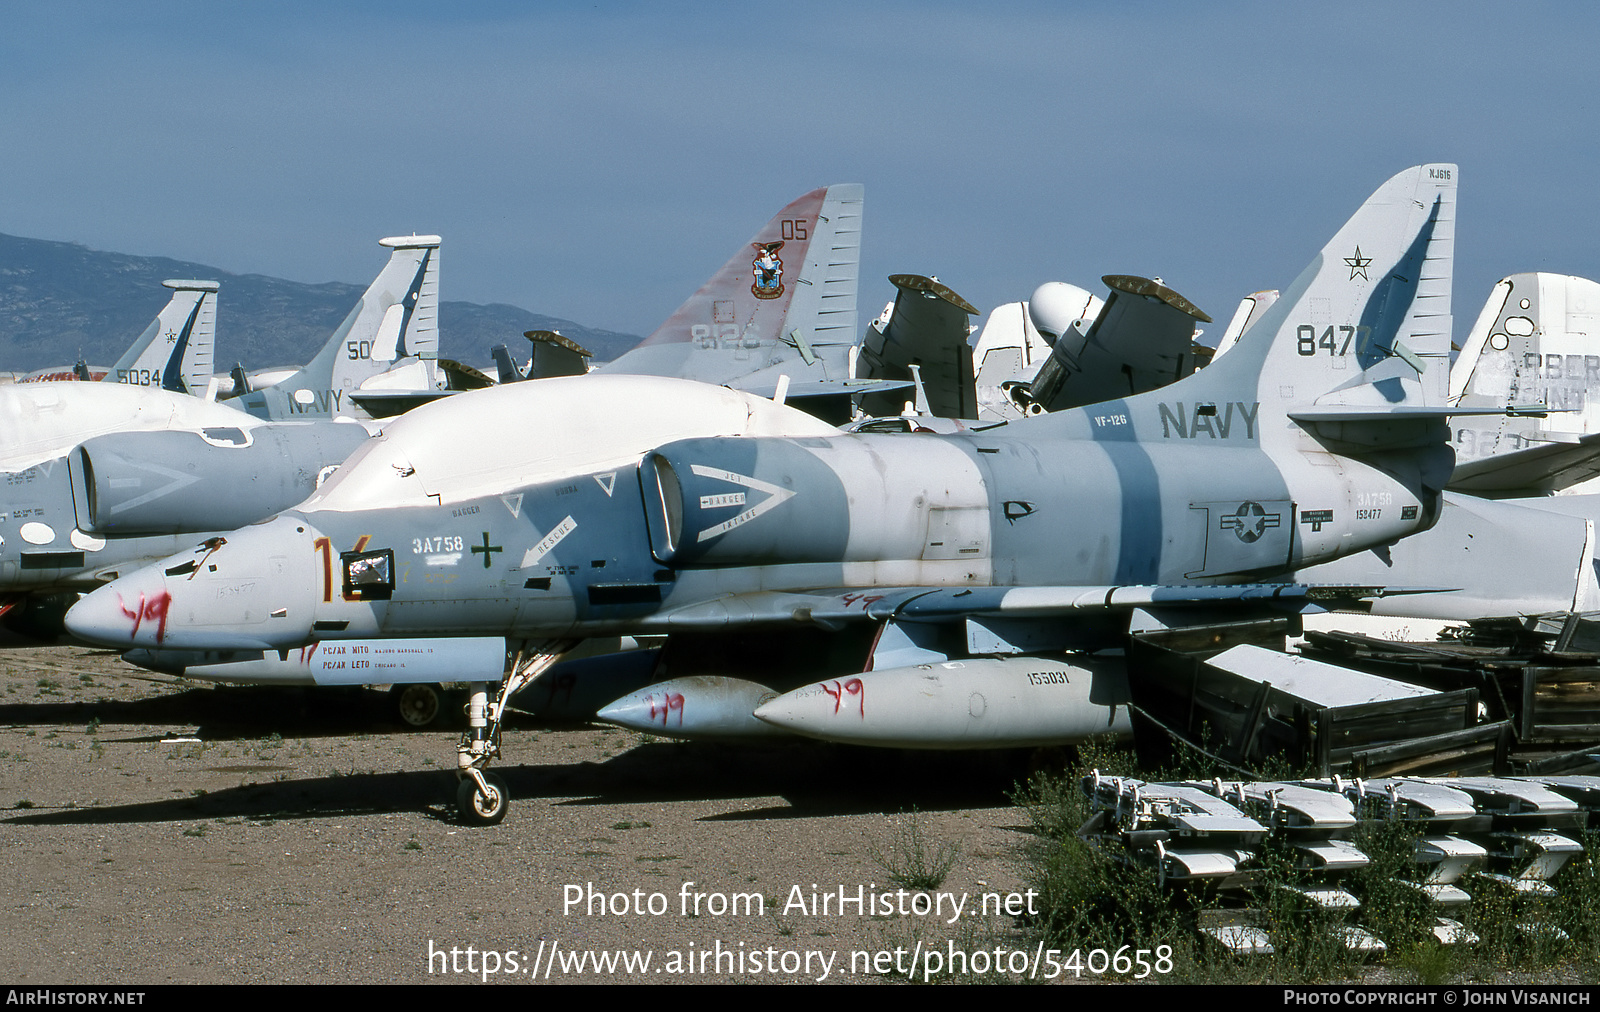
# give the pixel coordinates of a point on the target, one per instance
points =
(121, 485)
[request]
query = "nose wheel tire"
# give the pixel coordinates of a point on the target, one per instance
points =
(482, 809)
(417, 705)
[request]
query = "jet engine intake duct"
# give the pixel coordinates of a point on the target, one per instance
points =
(145, 483)
(743, 502)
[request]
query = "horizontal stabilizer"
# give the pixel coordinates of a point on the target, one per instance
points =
(389, 403)
(1381, 412)
(1539, 469)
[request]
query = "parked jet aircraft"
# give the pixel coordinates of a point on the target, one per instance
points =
(798, 331)
(103, 478)
(927, 548)
(174, 352)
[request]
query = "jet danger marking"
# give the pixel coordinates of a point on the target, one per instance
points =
(711, 502)
(179, 480)
(775, 497)
(607, 482)
(1250, 522)
(548, 542)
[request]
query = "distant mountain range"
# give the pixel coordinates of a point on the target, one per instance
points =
(60, 301)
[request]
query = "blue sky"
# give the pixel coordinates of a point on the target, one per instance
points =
(598, 161)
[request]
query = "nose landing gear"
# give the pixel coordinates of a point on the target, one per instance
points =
(481, 797)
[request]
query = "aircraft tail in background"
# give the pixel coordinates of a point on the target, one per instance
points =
(175, 352)
(393, 333)
(1535, 345)
(784, 304)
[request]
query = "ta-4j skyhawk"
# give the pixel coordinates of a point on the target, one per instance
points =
(102, 478)
(948, 589)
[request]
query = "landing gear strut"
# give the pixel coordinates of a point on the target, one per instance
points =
(481, 797)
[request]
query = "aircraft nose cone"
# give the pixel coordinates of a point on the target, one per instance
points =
(253, 588)
(128, 612)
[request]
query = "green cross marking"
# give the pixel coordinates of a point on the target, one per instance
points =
(487, 549)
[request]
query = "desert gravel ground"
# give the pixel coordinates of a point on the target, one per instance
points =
(305, 837)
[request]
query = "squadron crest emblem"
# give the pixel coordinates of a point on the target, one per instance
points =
(767, 268)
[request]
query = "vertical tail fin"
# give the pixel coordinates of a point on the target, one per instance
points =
(1366, 324)
(508, 371)
(393, 324)
(785, 303)
(1537, 341)
(175, 351)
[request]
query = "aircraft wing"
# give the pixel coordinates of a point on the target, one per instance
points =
(835, 607)
(926, 327)
(1142, 339)
(389, 403)
(554, 355)
(826, 388)
(1539, 469)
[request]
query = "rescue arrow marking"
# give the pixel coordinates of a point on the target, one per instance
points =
(550, 540)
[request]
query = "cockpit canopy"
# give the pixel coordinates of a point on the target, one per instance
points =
(495, 441)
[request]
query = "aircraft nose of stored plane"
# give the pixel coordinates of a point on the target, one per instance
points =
(249, 589)
(129, 611)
